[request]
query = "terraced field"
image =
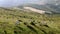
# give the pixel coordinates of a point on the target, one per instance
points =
(21, 22)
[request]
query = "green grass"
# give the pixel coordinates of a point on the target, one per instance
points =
(30, 22)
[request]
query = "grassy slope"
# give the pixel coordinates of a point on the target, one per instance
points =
(30, 22)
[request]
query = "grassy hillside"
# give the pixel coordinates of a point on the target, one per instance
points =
(21, 22)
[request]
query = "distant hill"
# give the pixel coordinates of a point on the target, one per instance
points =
(48, 7)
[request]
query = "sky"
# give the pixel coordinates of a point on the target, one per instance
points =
(8, 3)
(16, 2)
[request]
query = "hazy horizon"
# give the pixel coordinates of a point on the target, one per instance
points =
(5, 3)
(8, 3)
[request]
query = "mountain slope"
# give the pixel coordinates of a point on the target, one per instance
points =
(21, 22)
